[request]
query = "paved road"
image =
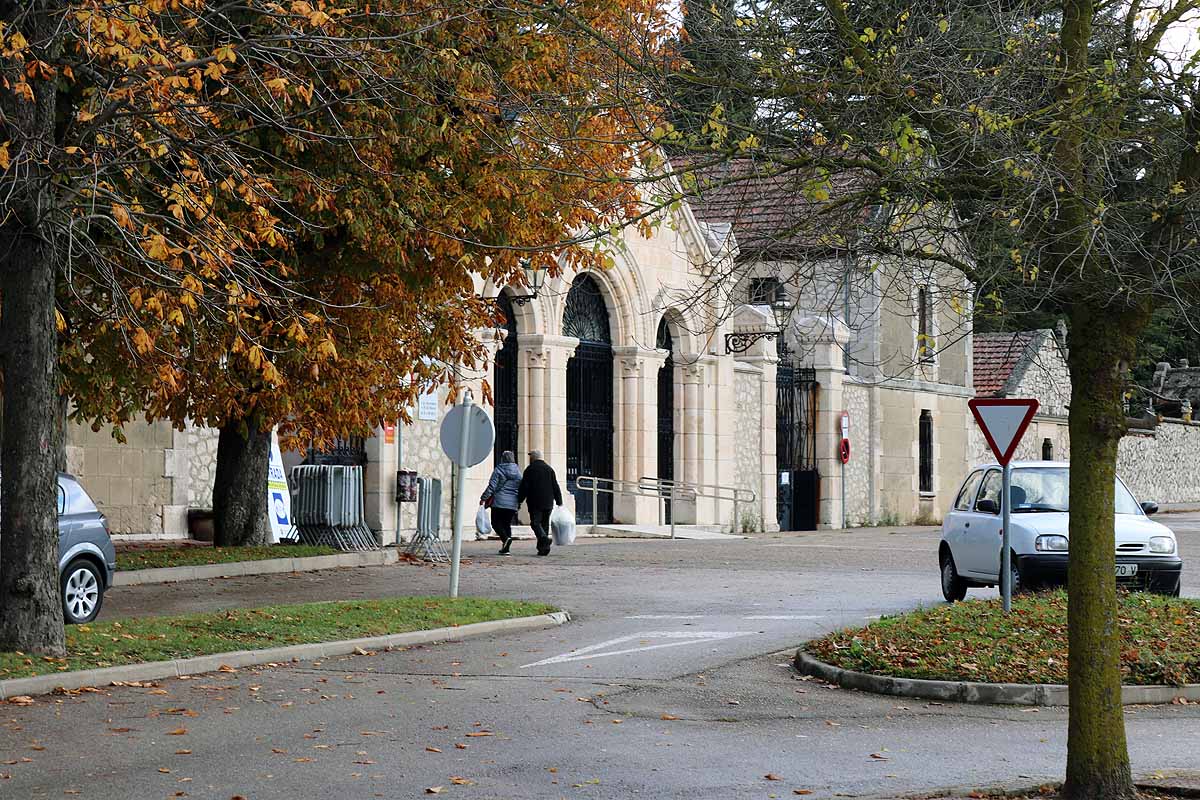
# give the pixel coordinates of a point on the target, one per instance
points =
(672, 682)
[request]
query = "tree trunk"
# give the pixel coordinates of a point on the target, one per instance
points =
(1102, 346)
(31, 618)
(240, 485)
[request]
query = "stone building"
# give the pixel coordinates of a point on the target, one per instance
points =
(667, 366)
(1155, 455)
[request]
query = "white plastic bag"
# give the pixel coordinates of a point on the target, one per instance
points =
(483, 522)
(562, 525)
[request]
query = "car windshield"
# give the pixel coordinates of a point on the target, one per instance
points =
(1048, 489)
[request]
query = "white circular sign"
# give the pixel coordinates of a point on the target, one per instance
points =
(480, 435)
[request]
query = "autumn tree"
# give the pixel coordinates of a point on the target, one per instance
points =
(1048, 151)
(453, 149)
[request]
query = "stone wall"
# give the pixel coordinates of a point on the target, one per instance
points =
(1043, 375)
(748, 471)
(1160, 467)
(1030, 448)
(136, 484)
(202, 465)
(857, 401)
(422, 452)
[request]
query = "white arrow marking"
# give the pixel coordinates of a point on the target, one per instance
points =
(592, 650)
(786, 616)
(667, 616)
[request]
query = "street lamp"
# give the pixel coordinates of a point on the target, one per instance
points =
(534, 278)
(741, 342)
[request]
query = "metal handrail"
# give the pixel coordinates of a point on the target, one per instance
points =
(665, 489)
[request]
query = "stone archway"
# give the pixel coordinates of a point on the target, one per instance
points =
(589, 396)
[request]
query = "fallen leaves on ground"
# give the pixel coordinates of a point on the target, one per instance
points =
(668, 717)
(20, 700)
(435, 790)
(771, 776)
(178, 732)
(458, 780)
(1159, 637)
(432, 750)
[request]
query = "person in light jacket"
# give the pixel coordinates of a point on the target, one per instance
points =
(539, 491)
(502, 491)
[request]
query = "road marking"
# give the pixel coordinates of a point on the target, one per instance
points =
(667, 616)
(835, 547)
(595, 650)
(786, 616)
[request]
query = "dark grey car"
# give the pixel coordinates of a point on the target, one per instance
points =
(86, 556)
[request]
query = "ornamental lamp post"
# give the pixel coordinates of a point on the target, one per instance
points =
(781, 309)
(534, 278)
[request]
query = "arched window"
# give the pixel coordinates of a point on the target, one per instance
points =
(1047, 450)
(586, 315)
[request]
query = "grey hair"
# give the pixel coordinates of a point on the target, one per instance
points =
(507, 457)
(535, 455)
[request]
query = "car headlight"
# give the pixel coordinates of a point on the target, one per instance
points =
(1162, 544)
(1051, 544)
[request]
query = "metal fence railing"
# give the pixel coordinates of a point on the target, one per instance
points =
(328, 507)
(426, 543)
(665, 491)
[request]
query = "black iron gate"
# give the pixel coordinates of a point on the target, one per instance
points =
(666, 411)
(589, 398)
(799, 483)
(590, 427)
(505, 386)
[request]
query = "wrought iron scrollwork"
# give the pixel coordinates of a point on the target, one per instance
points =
(741, 342)
(586, 315)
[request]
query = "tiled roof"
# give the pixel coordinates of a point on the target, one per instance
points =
(770, 214)
(994, 358)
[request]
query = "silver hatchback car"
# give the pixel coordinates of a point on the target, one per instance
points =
(86, 556)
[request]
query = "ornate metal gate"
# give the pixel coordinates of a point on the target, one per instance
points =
(505, 384)
(589, 397)
(666, 410)
(796, 446)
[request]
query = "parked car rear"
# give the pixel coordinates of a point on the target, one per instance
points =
(86, 556)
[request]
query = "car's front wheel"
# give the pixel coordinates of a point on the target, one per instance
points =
(82, 592)
(954, 588)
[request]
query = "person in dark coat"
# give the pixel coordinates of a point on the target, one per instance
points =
(540, 493)
(502, 492)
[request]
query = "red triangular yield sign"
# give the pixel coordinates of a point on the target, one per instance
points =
(1003, 423)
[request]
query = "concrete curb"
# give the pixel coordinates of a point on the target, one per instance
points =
(270, 566)
(1006, 694)
(157, 670)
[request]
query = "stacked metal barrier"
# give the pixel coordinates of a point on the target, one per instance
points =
(328, 507)
(426, 544)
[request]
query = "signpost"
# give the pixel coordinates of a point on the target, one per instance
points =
(467, 438)
(1003, 423)
(844, 457)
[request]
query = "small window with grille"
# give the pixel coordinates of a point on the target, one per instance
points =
(925, 340)
(926, 451)
(1047, 450)
(764, 291)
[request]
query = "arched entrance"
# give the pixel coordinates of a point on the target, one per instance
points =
(589, 396)
(504, 383)
(799, 487)
(666, 409)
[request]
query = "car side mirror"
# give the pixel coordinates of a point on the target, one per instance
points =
(1150, 508)
(987, 507)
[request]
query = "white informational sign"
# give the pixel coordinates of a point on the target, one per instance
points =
(279, 497)
(845, 424)
(427, 406)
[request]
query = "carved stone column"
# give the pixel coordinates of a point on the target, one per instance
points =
(636, 422)
(544, 405)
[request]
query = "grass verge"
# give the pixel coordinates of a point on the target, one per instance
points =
(158, 557)
(976, 641)
(136, 641)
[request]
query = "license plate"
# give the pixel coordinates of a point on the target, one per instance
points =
(1126, 570)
